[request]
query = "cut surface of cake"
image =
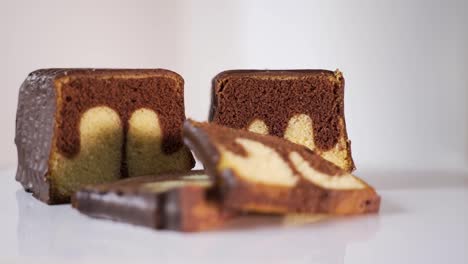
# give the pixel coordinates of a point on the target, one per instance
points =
(181, 201)
(303, 106)
(87, 126)
(263, 173)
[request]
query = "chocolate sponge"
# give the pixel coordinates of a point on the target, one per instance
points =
(87, 126)
(303, 106)
(267, 174)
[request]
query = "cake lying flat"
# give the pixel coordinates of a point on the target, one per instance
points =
(261, 173)
(177, 201)
(303, 106)
(87, 126)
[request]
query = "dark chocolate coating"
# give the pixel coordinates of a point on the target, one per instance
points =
(138, 209)
(40, 121)
(127, 201)
(34, 130)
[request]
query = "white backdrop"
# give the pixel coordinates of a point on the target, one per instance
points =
(405, 62)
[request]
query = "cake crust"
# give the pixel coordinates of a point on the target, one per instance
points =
(294, 191)
(271, 98)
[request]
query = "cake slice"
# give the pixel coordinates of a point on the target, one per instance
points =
(87, 126)
(181, 202)
(262, 173)
(303, 106)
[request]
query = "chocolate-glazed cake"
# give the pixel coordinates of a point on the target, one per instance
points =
(183, 201)
(303, 106)
(262, 173)
(88, 126)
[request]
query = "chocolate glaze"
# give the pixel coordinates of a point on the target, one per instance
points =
(128, 201)
(203, 139)
(34, 131)
(241, 96)
(48, 114)
(138, 209)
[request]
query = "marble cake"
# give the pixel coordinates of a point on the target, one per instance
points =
(87, 126)
(303, 106)
(182, 201)
(267, 174)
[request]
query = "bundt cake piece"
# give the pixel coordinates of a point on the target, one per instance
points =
(267, 174)
(303, 106)
(87, 126)
(182, 201)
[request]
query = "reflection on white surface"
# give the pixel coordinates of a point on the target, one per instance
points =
(62, 231)
(423, 219)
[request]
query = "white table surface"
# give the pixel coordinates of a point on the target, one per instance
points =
(423, 219)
